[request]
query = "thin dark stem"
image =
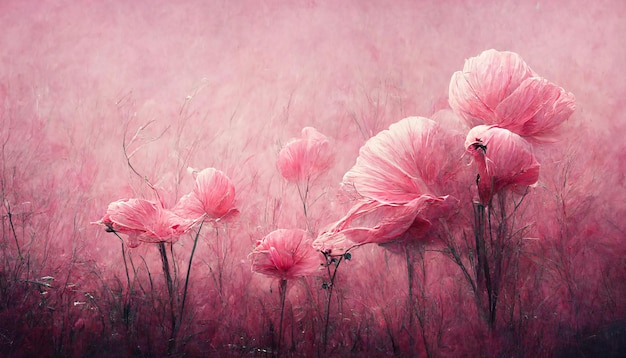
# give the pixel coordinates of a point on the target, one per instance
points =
(145, 264)
(221, 260)
(193, 250)
(128, 292)
(283, 294)
(304, 198)
(330, 295)
(456, 257)
(488, 282)
(483, 274)
(124, 258)
(419, 312)
(332, 274)
(409, 269)
(168, 277)
(17, 243)
(174, 265)
(422, 311)
(126, 308)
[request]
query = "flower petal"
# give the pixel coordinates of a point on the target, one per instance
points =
(190, 207)
(285, 254)
(402, 163)
(306, 157)
(535, 108)
(215, 192)
(145, 221)
(372, 221)
(503, 159)
(486, 80)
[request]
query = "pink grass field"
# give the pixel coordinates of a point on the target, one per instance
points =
(227, 84)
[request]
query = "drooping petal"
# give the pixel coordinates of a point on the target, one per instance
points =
(535, 108)
(306, 157)
(144, 221)
(128, 215)
(503, 159)
(285, 254)
(372, 221)
(402, 163)
(486, 80)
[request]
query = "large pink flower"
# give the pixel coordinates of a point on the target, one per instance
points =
(213, 196)
(413, 157)
(144, 221)
(395, 177)
(504, 159)
(371, 221)
(285, 254)
(499, 88)
(306, 157)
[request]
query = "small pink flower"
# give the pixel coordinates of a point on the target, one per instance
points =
(498, 88)
(304, 158)
(504, 159)
(144, 221)
(285, 254)
(402, 163)
(371, 221)
(213, 196)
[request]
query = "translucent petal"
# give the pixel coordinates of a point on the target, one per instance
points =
(536, 108)
(401, 163)
(486, 80)
(215, 193)
(285, 254)
(306, 157)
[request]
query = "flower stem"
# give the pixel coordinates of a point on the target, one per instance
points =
(168, 277)
(193, 250)
(331, 275)
(304, 195)
(283, 295)
(17, 243)
(409, 269)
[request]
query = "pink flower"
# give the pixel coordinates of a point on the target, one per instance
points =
(144, 221)
(499, 88)
(213, 196)
(285, 254)
(371, 221)
(411, 158)
(395, 178)
(504, 159)
(304, 158)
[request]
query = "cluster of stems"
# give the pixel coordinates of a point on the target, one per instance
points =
(175, 316)
(332, 265)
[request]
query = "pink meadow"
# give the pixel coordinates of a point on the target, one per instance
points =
(312, 178)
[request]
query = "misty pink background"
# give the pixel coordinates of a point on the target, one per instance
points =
(228, 82)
